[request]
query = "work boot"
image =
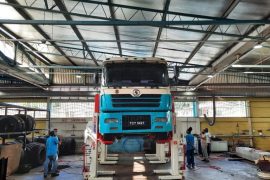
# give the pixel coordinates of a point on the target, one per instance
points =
(54, 174)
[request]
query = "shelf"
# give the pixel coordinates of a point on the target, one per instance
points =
(16, 133)
(41, 120)
(23, 132)
(5, 105)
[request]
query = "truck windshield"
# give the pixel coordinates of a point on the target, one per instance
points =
(136, 74)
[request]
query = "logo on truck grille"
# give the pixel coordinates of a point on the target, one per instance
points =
(136, 93)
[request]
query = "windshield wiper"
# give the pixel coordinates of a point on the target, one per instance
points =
(115, 84)
(120, 84)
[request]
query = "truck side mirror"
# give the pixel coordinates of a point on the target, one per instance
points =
(96, 78)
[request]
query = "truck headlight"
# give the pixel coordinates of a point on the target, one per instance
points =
(111, 120)
(161, 119)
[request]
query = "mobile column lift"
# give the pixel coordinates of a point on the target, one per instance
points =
(95, 147)
(159, 157)
(177, 156)
(95, 150)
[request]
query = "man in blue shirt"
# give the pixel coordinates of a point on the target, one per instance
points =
(190, 148)
(51, 154)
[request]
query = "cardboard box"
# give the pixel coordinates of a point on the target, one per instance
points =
(13, 153)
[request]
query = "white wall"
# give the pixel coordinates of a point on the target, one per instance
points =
(183, 123)
(70, 126)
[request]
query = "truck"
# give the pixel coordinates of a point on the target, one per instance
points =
(135, 99)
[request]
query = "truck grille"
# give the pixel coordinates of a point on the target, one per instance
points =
(145, 100)
(131, 122)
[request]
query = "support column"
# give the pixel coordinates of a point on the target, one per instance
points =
(49, 105)
(250, 126)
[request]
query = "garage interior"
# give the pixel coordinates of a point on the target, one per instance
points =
(218, 59)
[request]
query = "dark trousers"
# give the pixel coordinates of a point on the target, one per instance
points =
(199, 147)
(190, 157)
(53, 160)
(208, 148)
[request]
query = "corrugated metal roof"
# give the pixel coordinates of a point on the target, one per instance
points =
(103, 41)
(69, 76)
(234, 78)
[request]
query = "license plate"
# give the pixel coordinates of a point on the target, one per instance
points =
(136, 122)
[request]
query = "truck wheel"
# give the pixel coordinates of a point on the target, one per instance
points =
(162, 136)
(108, 137)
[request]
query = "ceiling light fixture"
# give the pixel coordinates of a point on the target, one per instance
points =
(261, 72)
(23, 44)
(251, 66)
(23, 66)
(258, 46)
(78, 76)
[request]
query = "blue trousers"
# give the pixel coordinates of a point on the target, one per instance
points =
(54, 163)
(190, 157)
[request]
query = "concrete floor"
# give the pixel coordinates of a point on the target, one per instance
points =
(134, 166)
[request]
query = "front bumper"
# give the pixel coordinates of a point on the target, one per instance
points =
(112, 128)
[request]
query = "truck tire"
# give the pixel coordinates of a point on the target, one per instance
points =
(162, 136)
(108, 137)
(9, 124)
(28, 120)
(41, 139)
(68, 146)
(35, 154)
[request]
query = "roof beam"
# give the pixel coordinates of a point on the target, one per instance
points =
(212, 28)
(40, 56)
(18, 73)
(33, 62)
(56, 54)
(46, 4)
(63, 8)
(110, 53)
(199, 80)
(26, 16)
(35, 23)
(115, 28)
(259, 61)
(135, 40)
(102, 52)
(165, 10)
(227, 59)
(105, 18)
(150, 9)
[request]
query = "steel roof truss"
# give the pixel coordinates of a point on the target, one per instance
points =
(63, 8)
